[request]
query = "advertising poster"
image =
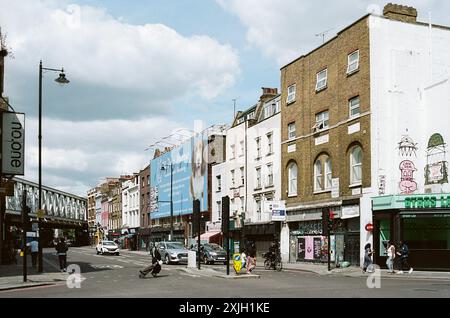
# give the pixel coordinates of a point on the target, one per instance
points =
(317, 242)
(309, 248)
(301, 248)
(188, 166)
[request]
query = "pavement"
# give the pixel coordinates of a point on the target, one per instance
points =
(11, 276)
(352, 271)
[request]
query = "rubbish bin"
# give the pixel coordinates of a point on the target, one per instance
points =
(191, 259)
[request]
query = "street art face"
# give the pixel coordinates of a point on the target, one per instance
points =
(407, 183)
(436, 170)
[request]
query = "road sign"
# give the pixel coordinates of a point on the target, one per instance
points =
(40, 213)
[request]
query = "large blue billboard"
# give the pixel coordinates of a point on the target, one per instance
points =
(188, 164)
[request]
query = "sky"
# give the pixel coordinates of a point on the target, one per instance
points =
(140, 70)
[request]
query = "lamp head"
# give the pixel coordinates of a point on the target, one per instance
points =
(62, 78)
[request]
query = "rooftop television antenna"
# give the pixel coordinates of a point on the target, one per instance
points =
(322, 34)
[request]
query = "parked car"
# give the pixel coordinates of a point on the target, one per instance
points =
(211, 253)
(107, 247)
(172, 252)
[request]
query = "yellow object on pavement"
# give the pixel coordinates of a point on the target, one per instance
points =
(237, 262)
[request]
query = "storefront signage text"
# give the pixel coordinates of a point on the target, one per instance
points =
(427, 202)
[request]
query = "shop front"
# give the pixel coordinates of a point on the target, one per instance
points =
(422, 221)
(263, 235)
(307, 242)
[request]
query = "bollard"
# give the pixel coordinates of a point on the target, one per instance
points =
(191, 259)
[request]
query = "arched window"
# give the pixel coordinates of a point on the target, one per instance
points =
(356, 165)
(292, 179)
(322, 173)
(318, 176)
(328, 174)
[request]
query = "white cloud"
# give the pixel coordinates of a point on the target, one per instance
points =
(96, 48)
(76, 155)
(286, 29)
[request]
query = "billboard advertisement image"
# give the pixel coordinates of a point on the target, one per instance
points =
(187, 164)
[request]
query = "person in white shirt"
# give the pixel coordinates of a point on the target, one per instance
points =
(391, 255)
(34, 247)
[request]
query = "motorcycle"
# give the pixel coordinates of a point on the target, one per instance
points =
(272, 261)
(156, 268)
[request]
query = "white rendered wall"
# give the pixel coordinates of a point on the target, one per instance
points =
(409, 72)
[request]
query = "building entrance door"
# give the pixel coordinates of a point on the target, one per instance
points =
(351, 248)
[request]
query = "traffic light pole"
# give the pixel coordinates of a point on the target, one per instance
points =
(329, 251)
(24, 234)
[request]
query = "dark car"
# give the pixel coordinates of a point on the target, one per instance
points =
(211, 253)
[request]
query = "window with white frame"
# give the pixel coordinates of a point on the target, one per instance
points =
(328, 174)
(291, 131)
(232, 178)
(251, 115)
(353, 105)
(242, 204)
(269, 175)
(322, 77)
(270, 109)
(233, 151)
(353, 62)
(258, 147)
(258, 209)
(218, 183)
(291, 94)
(322, 121)
(219, 207)
(318, 176)
(292, 179)
(242, 148)
(242, 176)
(269, 143)
(356, 165)
(258, 178)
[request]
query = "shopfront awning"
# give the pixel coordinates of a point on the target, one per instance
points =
(206, 237)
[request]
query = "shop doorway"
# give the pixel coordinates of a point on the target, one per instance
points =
(351, 249)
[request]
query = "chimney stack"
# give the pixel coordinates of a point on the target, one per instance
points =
(400, 13)
(268, 93)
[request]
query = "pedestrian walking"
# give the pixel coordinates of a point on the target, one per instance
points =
(368, 263)
(391, 255)
(61, 250)
(34, 248)
(404, 254)
(251, 257)
(243, 258)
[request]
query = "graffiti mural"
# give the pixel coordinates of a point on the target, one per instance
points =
(381, 184)
(436, 169)
(407, 183)
(407, 147)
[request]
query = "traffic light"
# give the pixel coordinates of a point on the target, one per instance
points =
(196, 217)
(327, 221)
(330, 221)
(26, 224)
(225, 215)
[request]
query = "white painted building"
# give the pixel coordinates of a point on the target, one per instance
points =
(410, 115)
(219, 190)
(253, 150)
(130, 203)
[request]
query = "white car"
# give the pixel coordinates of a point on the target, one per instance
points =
(107, 247)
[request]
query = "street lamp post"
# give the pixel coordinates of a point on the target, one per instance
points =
(61, 80)
(171, 199)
